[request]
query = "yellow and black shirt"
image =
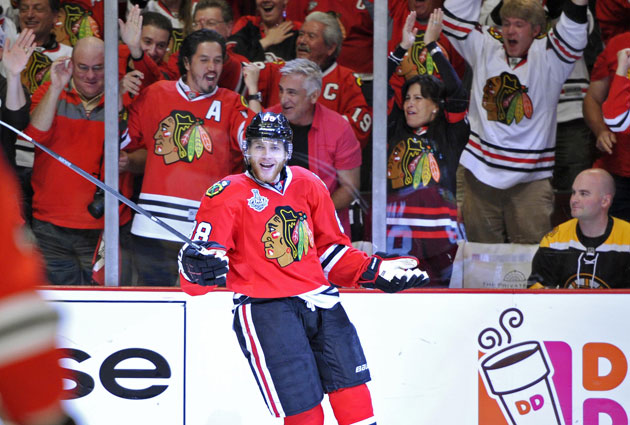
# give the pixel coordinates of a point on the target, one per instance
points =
(568, 259)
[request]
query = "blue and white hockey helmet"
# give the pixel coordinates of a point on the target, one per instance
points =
(269, 126)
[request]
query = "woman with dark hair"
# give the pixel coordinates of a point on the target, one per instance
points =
(426, 138)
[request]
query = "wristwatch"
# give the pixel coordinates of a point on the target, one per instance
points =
(255, 96)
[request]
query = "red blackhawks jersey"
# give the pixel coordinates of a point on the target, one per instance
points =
(190, 142)
(341, 92)
(280, 243)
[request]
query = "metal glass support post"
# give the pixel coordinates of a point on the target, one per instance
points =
(111, 148)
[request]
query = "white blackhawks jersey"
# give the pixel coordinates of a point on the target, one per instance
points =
(513, 106)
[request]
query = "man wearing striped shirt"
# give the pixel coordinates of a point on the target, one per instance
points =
(517, 79)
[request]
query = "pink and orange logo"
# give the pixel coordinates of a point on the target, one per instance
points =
(531, 382)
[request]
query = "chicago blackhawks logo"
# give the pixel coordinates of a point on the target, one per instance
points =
(506, 100)
(412, 162)
(37, 71)
(74, 23)
(287, 236)
(181, 137)
(217, 188)
(177, 36)
(418, 60)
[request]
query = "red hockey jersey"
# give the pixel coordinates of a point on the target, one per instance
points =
(279, 243)
(30, 376)
(190, 143)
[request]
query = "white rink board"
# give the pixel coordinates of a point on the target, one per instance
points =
(423, 350)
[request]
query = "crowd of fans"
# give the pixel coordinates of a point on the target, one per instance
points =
(495, 108)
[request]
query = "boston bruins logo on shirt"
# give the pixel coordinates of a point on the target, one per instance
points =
(585, 281)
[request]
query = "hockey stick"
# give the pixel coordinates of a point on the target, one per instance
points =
(105, 187)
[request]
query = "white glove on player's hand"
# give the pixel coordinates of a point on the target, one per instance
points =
(392, 273)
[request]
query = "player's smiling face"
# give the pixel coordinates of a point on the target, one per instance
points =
(204, 68)
(266, 158)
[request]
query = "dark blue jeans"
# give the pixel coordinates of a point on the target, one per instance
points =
(156, 261)
(68, 253)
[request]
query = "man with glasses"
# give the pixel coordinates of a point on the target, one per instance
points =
(68, 117)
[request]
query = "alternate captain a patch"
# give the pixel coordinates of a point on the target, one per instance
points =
(217, 188)
(287, 236)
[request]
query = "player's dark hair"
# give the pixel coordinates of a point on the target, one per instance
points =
(192, 41)
(157, 20)
(226, 10)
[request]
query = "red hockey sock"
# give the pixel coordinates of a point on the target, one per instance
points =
(314, 416)
(352, 405)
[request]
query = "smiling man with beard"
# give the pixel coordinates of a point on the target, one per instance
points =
(203, 125)
(272, 237)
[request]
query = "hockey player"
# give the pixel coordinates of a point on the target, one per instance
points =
(30, 375)
(272, 234)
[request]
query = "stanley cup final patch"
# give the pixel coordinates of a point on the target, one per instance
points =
(257, 202)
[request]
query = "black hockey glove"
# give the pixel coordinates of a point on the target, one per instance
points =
(392, 273)
(207, 267)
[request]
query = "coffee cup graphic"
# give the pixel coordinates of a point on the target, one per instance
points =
(518, 376)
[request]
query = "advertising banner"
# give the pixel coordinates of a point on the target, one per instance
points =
(478, 358)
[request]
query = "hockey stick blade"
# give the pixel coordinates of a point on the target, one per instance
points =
(103, 186)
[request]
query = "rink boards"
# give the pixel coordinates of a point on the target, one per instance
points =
(436, 357)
